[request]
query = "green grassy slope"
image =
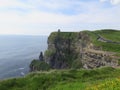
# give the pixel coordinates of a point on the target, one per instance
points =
(110, 34)
(113, 35)
(61, 80)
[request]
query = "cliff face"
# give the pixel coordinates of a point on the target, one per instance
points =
(61, 49)
(76, 50)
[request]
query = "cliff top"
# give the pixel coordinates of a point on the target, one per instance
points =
(109, 39)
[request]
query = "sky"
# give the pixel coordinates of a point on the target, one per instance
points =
(41, 17)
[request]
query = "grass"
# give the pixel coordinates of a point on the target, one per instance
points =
(113, 35)
(62, 35)
(69, 86)
(61, 79)
(109, 84)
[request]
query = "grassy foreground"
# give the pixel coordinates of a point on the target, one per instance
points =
(106, 78)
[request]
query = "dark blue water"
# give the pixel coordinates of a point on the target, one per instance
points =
(16, 53)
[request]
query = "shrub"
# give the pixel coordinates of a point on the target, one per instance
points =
(49, 53)
(37, 65)
(77, 64)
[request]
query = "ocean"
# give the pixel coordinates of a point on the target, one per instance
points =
(16, 53)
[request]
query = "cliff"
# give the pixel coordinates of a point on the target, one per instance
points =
(82, 49)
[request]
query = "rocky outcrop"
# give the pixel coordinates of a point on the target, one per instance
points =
(94, 59)
(41, 57)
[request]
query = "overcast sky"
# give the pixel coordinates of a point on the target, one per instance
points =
(40, 17)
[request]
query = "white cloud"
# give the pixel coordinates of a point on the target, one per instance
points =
(40, 21)
(12, 3)
(114, 2)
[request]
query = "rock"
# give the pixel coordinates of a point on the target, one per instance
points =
(41, 57)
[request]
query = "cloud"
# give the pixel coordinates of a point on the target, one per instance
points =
(91, 12)
(103, 0)
(12, 3)
(43, 16)
(114, 2)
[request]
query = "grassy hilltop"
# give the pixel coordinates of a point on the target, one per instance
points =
(103, 78)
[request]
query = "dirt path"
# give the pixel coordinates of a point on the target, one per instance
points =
(102, 39)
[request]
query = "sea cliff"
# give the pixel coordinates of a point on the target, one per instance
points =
(81, 50)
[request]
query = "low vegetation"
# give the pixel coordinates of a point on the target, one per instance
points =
(109, 84)
(49, 53)
(39, 66)
(113, 35)
(96, 79)
(65, 35)
(109, 34)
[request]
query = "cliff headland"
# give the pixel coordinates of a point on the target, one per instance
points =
(85, 49)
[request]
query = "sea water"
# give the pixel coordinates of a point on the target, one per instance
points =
(16, 53)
